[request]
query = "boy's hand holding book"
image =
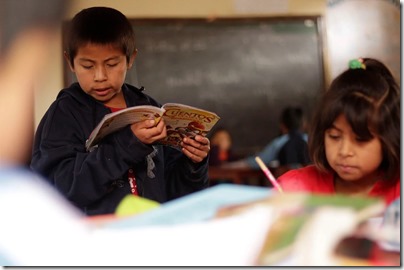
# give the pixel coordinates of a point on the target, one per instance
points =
(196, 148)
(149, 131)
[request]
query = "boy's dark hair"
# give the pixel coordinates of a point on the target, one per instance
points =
(99, 25)
(292, 118)
(370, 100)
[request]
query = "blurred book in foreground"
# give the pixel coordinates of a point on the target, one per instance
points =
(307, 227)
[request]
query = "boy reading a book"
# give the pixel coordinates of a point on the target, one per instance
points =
(100, 49)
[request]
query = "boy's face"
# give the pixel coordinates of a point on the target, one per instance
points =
(101, 70)
(351, 157)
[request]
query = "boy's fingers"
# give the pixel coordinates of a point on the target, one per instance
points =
(150, 123)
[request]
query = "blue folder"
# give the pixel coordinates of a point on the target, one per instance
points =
(195, 207)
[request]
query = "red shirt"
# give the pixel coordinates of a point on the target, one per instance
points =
(309, 179)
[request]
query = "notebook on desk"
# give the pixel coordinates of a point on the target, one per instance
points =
(195, 207)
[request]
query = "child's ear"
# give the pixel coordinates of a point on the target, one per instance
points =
(67, 58)
(132, 59)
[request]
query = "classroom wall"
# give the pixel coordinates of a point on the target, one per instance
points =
(352, 28)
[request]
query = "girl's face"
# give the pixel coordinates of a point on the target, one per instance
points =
(101, 71)
(352, 158)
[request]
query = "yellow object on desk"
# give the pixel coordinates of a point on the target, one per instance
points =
(132, 205)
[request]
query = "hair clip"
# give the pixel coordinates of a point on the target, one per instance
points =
(357, 64)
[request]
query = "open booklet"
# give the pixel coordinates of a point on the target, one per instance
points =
(307, 227)
(181, 120)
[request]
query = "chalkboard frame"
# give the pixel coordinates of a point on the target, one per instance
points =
(318, 20)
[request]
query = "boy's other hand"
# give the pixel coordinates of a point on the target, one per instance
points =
(148, 132)
(197, 148)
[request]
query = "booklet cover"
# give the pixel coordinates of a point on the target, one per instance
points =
(181, 120)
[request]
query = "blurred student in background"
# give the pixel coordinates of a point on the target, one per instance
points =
(221, 152)
(354, 140)
(221, 147)
(289, 150)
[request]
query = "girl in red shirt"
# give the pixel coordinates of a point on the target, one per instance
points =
(354, 142)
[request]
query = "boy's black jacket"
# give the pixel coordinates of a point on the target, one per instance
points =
(97, 181)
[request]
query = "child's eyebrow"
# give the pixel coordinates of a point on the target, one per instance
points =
(333, 126)
(92, 61)
(86, 60)
(111, 58)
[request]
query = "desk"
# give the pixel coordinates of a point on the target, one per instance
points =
(238, 175)
(244, 175)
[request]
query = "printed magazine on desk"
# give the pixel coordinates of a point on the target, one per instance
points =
(181, 120)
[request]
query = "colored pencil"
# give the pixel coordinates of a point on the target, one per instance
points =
(268, 174)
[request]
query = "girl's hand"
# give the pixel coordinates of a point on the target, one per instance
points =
(148, 132)
(197, 148)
